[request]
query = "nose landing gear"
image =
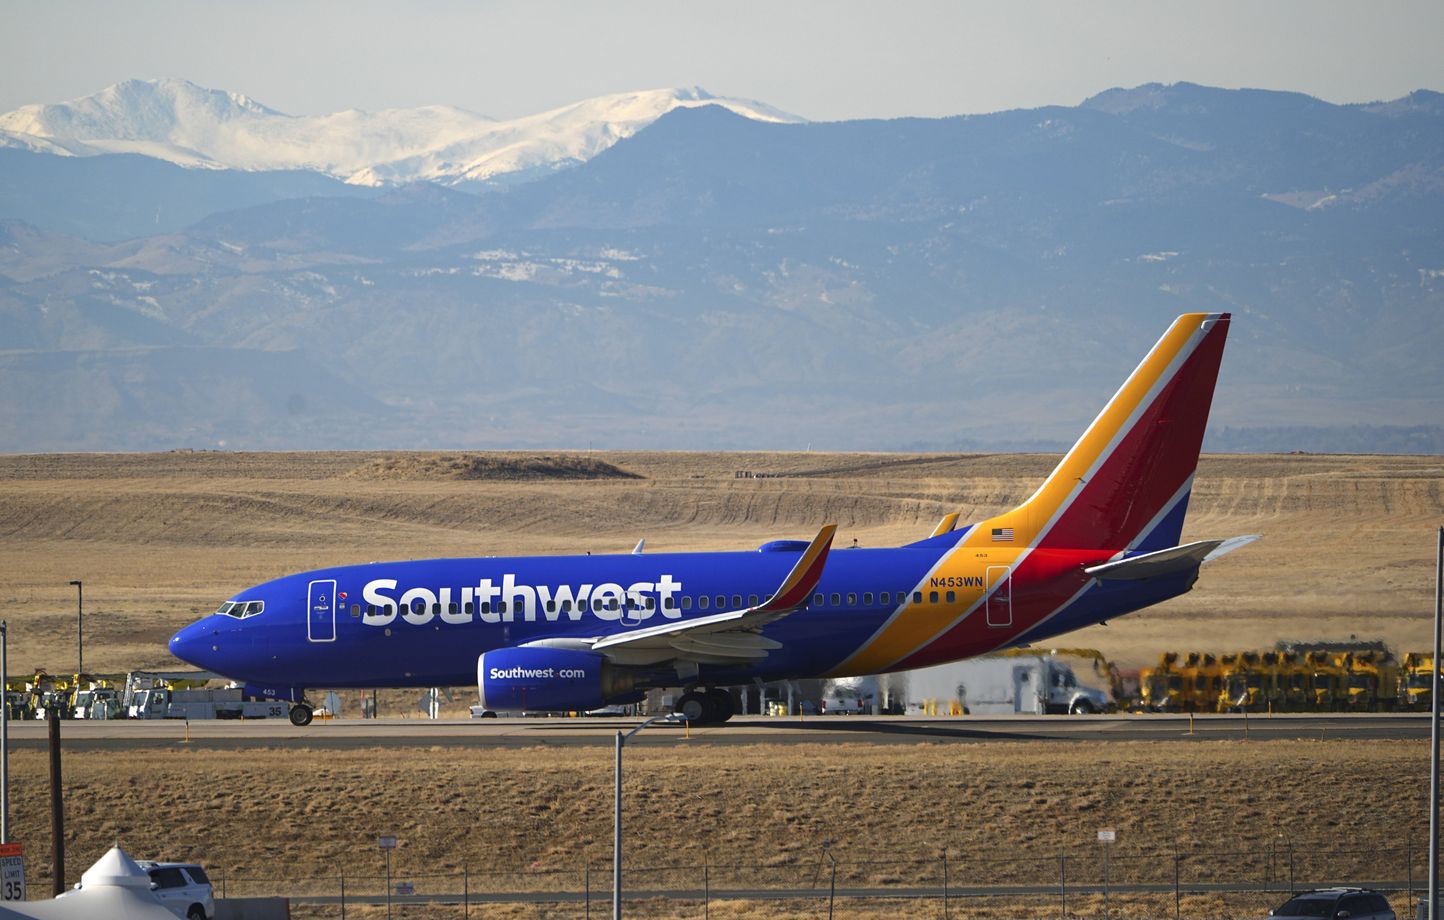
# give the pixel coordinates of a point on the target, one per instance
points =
(301, 714)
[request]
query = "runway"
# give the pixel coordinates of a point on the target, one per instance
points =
(517, 733)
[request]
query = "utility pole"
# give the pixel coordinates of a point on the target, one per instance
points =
(1434, 728)
(79, 627)
(4, 733)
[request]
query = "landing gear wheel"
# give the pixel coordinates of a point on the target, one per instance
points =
(722, 705)
(300, 714)
(695, 708)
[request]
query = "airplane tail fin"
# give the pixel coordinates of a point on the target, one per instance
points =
(1125, 485)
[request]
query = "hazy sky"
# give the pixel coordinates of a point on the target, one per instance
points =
(822, 60)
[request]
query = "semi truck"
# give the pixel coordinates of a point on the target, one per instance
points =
(1036, 683)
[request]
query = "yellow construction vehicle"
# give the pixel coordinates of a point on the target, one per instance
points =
(1245, 685)
(1202, 682)
(1326, 682)
(1371, 681)
(1416, 682)
(1161, 688)
(1295, 693)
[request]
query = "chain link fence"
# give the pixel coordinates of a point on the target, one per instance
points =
(1102, 882)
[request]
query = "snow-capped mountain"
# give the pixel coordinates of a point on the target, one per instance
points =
(192, 126)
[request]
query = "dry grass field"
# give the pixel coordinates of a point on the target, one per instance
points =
(160, 539)
(295, 820)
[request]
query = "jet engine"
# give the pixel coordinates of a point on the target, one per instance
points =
(514, 679)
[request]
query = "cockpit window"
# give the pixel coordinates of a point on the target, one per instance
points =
(241, 609)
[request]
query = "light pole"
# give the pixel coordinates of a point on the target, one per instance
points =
(617, 818)
(79, 626)
(1434, 730)
(4, 733)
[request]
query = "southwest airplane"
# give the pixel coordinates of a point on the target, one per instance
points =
(1099, 538)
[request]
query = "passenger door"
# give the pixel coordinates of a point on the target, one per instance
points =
(321, 611)
(170, 888)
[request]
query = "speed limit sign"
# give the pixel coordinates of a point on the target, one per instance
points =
(12, 872)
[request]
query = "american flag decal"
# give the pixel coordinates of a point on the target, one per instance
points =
(1002, 534)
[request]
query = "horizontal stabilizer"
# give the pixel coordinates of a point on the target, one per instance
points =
(1168, 561)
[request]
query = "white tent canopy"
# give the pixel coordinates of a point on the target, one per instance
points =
(114, 888)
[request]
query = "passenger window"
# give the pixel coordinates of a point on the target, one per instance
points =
(932, 597)
(852, 599)
(551, 606)
(566, 606)
(751, 600)
(721, 601)
(451, 607)
(670, 603)
(370, 610)
(837, 600)
(198, 875)
(817, 600)
(917, 597)
(686, 602)
(501, 606)
(167, 878)
(952, 596)
(703, 601)
(736, 600)
(884, 598)
(867, 598)
(355, 610)
(649, 602)
(468, 608)
(436, 609)
(486, 606)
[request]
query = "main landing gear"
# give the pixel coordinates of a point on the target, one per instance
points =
(706, 707)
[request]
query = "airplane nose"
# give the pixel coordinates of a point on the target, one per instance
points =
(195, 645)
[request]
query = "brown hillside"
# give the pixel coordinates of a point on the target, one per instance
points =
(161, 538)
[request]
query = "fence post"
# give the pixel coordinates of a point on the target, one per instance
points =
(1177, 894)
(1409, 898)
(1063, 881)
(343, 894)
(945, 883)
(1291, 868)
(465, 892)
(587, 883)
(706, 890)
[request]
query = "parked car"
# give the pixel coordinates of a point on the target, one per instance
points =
(1337, 904)
(184, 888)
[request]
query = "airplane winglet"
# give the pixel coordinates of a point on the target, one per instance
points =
(946, 525)
(805, 574)
(640, 547)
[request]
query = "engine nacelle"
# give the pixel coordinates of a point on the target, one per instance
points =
(514, 679)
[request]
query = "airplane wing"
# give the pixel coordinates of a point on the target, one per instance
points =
(732, 636)
(1168, 561)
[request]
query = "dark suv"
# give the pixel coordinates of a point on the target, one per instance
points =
(1337, 904)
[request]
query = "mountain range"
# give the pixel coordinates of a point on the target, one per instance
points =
(722, 276)
(189, 125)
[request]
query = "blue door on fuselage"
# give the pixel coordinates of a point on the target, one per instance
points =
(321, 611)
